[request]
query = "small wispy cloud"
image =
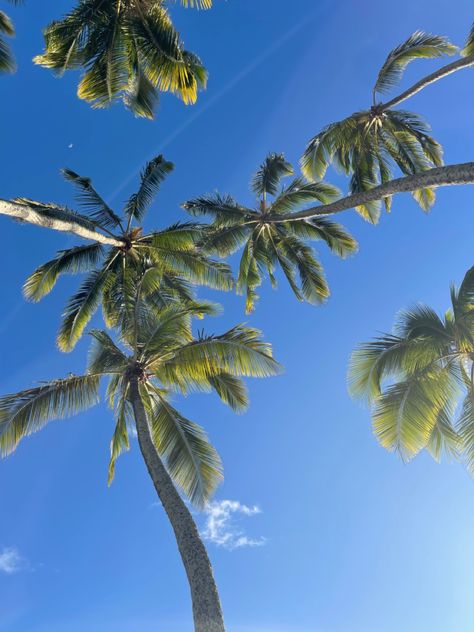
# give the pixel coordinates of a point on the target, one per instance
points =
(222, 526)
(11, 561)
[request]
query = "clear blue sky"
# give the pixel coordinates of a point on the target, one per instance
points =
(355, 541)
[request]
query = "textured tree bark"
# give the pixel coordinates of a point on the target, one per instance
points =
(439, 176)
(465, 62)
(207, 610)
(28, 214)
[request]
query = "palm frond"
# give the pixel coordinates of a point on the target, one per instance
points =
(268, 177)
(239, 352)
(300, 192)
(406, 413)
(468, 49)
(418, 46)
(444, 438)
(334, 234)
(81, 307)
(222, 208)
(120, 440)
(192, 462)
(151, 178)
(104, 355)
(98, 210)
(231, 390)
(74, 260)
(7, 61)
(26, 412)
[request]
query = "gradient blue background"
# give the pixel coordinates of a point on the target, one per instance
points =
(356, 541)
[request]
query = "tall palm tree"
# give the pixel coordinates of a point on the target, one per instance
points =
(128, 50)
(171, 252)
(368, 144)
(414, 378)
(157, 355)
(269, 235)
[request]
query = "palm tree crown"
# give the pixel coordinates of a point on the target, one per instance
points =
(171, 253)
(368, 144)
(413, 379)
(129, 50)
(157, 348)
(269, 236)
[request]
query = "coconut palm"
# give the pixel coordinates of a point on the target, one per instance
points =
(269, 235)
(368, 144)
(156, 355)
(128, 50)
(414, 377)
(171, 252)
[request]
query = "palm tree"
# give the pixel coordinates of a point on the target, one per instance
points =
(7, 61)
(368, 144)
(171, 252)
(414, 377)
(128, 50)
(157, 355)
(269, 235)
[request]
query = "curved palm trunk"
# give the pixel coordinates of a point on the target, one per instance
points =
(459, 64)
(439, 176)
(207, 610)
(28, 214)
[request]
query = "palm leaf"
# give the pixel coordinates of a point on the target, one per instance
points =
(96, 207)
(419, 45)
(270, 173)
(151, 178)
(192, 462)
(81, 308)
(26, 412)
(78, 259)
(468, 49)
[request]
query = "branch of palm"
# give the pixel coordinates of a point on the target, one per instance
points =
(415, 378)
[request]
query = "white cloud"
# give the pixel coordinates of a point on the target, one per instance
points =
(11, 561)
(221, 526)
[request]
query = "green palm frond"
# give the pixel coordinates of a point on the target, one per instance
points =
(466, 427)
(224, 210)
(74, 260)
(120, 440)
(98, 210)
(7, 61)
(405, 414)
(179, 236)
(300, 192)
(151, 178)
(268, 177)
(468, 49)
(104, 355)
(444, 438)
(26, 412)
(418, 46)
(192, 462)
(335, 235)
(226, 240)
(81, 307)
(231, 390)
(198, 4)
(127, 50)
(239, 352)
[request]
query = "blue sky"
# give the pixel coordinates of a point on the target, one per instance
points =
(346, 538)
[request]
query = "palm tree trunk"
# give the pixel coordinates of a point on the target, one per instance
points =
(25, 213)
(439, 176)
(465, 62)
(207, 610)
